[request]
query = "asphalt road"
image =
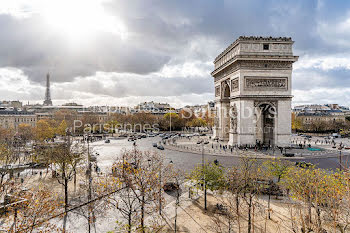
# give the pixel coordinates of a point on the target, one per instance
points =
(187, 161)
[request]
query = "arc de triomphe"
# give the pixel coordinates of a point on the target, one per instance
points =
(253, 82)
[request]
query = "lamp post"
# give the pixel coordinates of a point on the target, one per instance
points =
(204, 181)
(340, 158)
(170, 119)
(160, 185)
(89, 181)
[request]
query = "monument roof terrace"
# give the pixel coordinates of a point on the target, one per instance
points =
(253, 39)
(252, 48)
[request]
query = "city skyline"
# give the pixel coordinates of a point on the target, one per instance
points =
(128, 53)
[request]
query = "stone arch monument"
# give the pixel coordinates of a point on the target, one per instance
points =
(253, 81)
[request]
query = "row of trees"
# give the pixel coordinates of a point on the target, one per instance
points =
(45, 129)
(63, 121)
(178, 121)
(164, 122)
(320, 197)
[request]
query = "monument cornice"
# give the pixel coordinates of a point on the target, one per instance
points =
(253, 65)
(276, 58)
(265, 97)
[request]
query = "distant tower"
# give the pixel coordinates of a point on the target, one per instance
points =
(47, 101)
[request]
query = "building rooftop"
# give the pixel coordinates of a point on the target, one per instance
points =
(14, 112)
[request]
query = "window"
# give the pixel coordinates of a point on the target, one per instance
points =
(266, 46)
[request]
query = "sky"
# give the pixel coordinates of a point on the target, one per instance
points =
(117, 52)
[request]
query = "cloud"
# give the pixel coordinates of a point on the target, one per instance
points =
(336, 33)
(322, 96)
(324, 63)
(126, 85)
(15, 85)
(161, 49)
(125, 89)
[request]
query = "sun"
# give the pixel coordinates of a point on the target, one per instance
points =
(80, 19)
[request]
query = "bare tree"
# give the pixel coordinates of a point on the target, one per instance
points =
(140, 173)
(65, 158)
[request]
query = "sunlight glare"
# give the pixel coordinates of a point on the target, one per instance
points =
(79, 19)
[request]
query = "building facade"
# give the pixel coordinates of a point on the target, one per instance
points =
(253, 82)
(12, 119)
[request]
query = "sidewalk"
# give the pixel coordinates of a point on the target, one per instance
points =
(214, 149)
(193, 218)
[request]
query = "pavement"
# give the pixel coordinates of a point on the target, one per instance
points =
(217, 149)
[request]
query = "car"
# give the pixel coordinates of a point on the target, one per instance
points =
(170, 186)
(303, 164)
(107, 141)
(160, 147)
(130, 139)
(206, 142)
(154, 144)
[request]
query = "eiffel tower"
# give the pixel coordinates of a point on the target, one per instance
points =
(47, 101)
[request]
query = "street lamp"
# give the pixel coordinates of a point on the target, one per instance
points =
(89, 177)
(340, 158)
(160, 183)
(204, 182)
(160, 187)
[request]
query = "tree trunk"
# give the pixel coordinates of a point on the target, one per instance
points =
(65, 203)
(229, 223)
(143, 213)
(309, 208)
(205, 196)
(129, 222)
(175, 219)
(237, 213)
(75, 181)
(249, 214)
(268, 206)
(319, 221)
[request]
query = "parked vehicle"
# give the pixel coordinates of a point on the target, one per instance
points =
(154, 144)
(160, 147)
(170, 186)
(107, 141)
(303, 164)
